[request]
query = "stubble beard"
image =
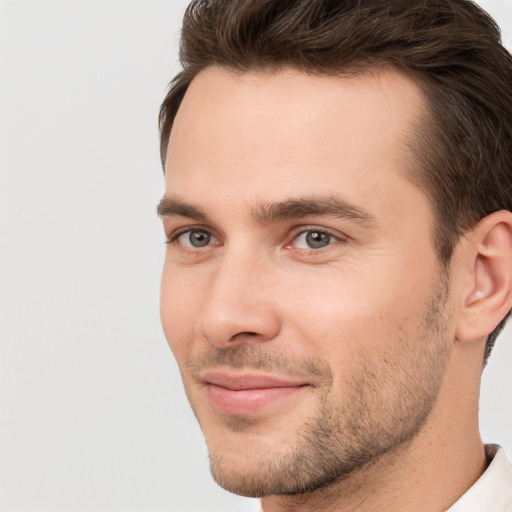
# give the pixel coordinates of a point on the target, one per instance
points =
(385, 403)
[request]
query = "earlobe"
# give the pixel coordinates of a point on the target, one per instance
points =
(489, 298)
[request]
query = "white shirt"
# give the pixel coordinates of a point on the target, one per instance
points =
(492, 492)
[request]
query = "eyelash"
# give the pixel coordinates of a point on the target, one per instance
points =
(173, 238)
(303, 230)
(294, 235)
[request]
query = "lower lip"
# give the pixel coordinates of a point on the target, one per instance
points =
(247, 401)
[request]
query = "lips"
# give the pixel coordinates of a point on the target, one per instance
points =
(248, 393)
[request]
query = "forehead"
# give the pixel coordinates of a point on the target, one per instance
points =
(259, 134)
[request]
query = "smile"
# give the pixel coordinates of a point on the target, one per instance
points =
(247, 394)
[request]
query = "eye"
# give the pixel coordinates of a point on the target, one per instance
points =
(194, 238)
(314, 239)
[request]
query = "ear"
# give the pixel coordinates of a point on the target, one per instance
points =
(487, 297)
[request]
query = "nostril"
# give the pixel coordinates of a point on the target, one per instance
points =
(244, 334)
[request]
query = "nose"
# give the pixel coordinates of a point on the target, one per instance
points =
(239, 305)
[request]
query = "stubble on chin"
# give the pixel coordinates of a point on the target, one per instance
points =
(240, 424)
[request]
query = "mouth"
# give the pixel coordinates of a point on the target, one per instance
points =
(248, 393)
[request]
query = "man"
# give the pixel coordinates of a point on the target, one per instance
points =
(339, 259)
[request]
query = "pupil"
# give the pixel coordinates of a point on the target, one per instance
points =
(317, 240)
(199, 238)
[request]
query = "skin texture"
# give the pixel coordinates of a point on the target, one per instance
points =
(366, 321)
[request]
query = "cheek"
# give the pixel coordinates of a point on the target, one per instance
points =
(178, 311)
(343, 312)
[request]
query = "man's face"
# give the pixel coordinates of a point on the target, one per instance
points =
(301, 294)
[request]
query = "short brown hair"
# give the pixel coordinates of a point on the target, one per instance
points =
(451, 48)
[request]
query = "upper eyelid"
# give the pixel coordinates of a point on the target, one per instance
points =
(175, 233)
(293, 233)
(339, 236)
(299, 230)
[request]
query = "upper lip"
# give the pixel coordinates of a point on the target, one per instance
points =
(245, 380)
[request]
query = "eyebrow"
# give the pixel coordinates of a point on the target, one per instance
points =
(267, 213)
(309, 206)
(170, 206)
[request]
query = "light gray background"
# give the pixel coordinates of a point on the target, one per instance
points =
(92, 413)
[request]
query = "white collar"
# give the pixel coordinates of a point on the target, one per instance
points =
(492, 492)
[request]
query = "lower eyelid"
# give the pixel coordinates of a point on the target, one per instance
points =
(334, 236)
(191, 249)
(173, 237)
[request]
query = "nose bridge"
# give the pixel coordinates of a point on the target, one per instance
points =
(238, 305)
